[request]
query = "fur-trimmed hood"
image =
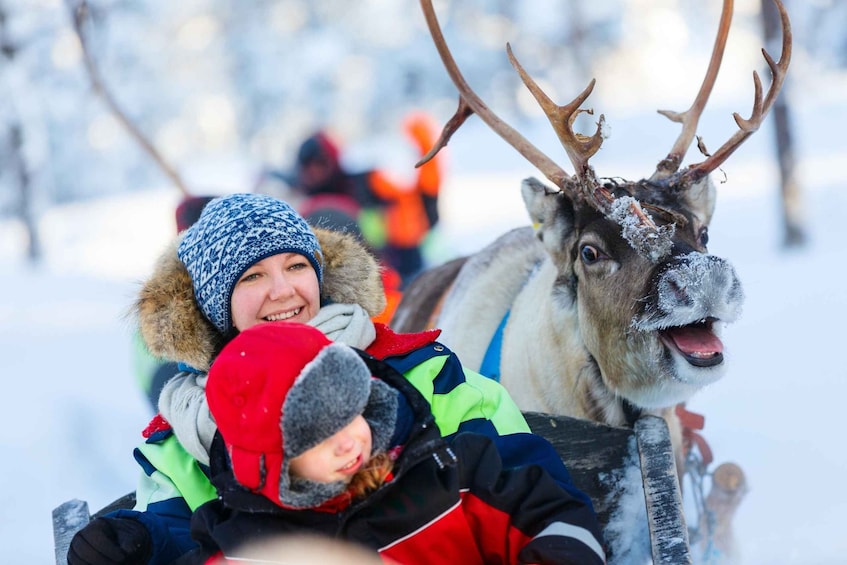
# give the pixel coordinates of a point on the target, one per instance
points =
(173, 327)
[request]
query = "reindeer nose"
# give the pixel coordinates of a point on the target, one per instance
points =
(675, 288)
(703, 282)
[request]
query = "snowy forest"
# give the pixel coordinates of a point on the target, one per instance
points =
(224, 90)
(217, 86)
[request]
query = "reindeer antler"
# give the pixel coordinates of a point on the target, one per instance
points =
(579, 148)
(689, 119)
(645, 236)
(760, 107)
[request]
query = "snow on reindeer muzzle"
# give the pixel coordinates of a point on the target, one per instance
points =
(694, 296)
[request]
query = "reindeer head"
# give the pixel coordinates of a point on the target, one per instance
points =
(631, 256)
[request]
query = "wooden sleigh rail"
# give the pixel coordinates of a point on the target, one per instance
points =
(630, 475)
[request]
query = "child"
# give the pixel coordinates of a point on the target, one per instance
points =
(317, 437)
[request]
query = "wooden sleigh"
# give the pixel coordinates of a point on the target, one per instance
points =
(629, 473)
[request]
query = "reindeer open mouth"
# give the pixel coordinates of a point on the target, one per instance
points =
(696, 342)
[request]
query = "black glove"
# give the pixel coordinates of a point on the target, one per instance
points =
(111, 540)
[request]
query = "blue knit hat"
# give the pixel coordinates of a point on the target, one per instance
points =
(232, 234)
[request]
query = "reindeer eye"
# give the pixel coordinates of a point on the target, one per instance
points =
(589, 254)
(704, 236)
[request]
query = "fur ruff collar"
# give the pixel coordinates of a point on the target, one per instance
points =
(174, 329)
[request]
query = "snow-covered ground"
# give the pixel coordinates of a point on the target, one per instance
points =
(72, 411)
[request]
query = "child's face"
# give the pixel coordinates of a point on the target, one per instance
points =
(338, 457)
(280, 287)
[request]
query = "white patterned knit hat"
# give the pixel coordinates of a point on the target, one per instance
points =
(233, 233)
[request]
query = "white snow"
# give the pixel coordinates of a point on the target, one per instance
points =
(628, 542)
(651, 241)
(73, 413)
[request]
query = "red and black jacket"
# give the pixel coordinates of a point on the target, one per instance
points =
(450, 501)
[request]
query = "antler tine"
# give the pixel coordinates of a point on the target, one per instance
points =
(579, 147)
(471, 103)
(462, 113)
(691, 117)
(760, 108)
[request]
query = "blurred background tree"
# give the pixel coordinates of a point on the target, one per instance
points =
(220, 87)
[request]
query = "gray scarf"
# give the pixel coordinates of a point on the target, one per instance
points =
(183, 399)
(345, 323)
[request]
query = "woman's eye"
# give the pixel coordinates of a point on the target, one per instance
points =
(250, 277)
(589, 254)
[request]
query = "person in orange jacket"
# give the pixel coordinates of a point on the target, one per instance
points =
(392, 216)
(410, 213)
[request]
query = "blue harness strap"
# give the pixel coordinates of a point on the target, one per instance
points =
(491, 362)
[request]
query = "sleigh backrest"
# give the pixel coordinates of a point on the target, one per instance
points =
(630, 476)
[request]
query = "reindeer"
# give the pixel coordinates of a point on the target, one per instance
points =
(610, 305)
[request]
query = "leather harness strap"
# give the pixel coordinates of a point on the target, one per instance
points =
(691, 422)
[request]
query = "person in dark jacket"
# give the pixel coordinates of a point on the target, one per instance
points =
(315, 436)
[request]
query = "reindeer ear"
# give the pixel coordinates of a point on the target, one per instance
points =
(547, 206)
(700, 199)
(539, 199)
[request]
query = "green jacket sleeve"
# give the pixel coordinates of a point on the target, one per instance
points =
(461, 399)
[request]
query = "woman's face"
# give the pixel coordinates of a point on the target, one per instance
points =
(280, 287)
(338, 457)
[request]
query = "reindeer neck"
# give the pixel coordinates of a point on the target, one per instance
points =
(601, 404)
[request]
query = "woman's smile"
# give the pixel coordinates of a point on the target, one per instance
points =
(283, 315)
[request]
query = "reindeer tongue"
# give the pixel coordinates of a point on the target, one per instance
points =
(696, 340)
